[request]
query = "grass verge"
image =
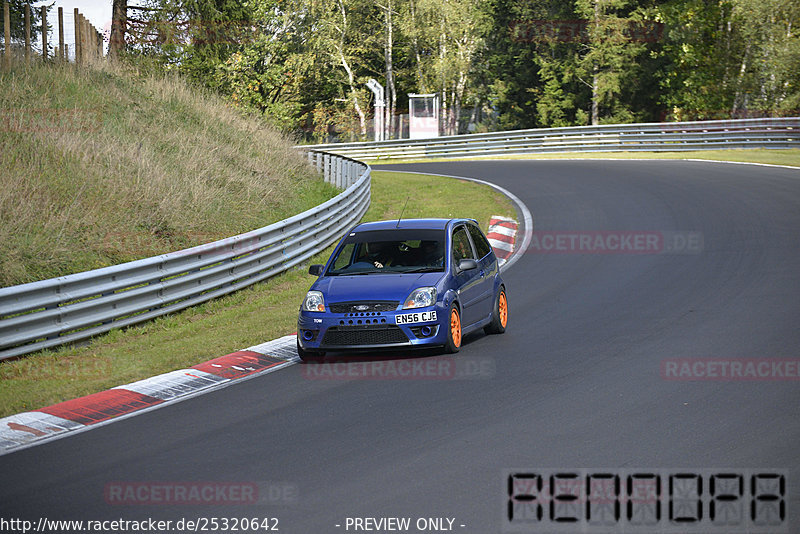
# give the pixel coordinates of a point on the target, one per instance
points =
(246, 318)
(105, 165)
(790, 157)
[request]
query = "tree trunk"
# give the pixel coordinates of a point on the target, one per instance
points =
(388, 50)
(740, 97)
(595, 97)
(415, 43)
(595, 80)
(119, 23)
(350, 76)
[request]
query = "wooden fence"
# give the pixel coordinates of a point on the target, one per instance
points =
(87, 42)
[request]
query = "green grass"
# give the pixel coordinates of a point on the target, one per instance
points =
(790, 157)
(103, 166)
(246, 318)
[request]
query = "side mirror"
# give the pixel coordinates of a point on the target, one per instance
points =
(467, 264)
(316, 270)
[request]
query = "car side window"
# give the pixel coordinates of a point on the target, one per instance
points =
(461, 246)
(345, 256)
(481, 244)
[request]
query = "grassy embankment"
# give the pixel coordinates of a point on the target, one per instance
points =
(147, 166)
(103, 166)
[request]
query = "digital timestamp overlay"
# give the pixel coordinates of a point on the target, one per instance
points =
(686, 501)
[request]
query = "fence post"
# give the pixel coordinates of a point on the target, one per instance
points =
(7, 32)
(82, 45)
(44, 32)
(86, 43)
(61, 55)
(89, 39)
(86, 49)
(77, 21)
(27, 33)
(92, 40)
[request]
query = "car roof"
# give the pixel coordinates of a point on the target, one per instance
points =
(427, 224)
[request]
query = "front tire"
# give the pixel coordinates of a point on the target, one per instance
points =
(309, 355)
(454, 331)
(499, 314)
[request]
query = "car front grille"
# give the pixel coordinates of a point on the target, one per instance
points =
(364, 306)
(363, 335)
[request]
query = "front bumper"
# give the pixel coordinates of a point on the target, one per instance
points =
(327, 331)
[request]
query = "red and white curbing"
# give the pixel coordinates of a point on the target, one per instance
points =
(28, 428)
(502, 234)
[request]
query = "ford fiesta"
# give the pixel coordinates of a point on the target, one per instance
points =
(407, 283)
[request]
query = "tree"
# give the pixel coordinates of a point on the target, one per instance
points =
(447, 36)
(610, 55)
(119, 23)
(731, 58)
(193, 37)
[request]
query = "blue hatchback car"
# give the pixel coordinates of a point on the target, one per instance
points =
(407, 283)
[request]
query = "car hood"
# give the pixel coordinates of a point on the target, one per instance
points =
(373, 286)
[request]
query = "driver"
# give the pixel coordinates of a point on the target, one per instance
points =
(431, 254)
(380, 254)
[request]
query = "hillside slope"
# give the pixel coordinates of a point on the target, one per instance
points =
(103, 166)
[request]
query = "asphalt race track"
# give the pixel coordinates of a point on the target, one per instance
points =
(580, 380)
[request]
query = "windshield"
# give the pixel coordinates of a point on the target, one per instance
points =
(390, 251)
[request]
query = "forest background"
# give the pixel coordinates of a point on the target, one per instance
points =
(494, 64)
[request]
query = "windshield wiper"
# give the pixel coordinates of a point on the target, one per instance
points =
(424, 270)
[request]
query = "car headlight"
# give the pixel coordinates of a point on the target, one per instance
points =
(314, 302)
(421, 298)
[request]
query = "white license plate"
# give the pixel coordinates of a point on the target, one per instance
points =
(419, 317)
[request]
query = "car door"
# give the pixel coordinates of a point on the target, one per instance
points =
(487, 263)
(470, 282)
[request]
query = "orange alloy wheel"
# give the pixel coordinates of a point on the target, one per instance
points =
(455, 327)
(502, 307)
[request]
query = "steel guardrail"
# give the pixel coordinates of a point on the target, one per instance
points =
(664, 136)
(48, 313)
